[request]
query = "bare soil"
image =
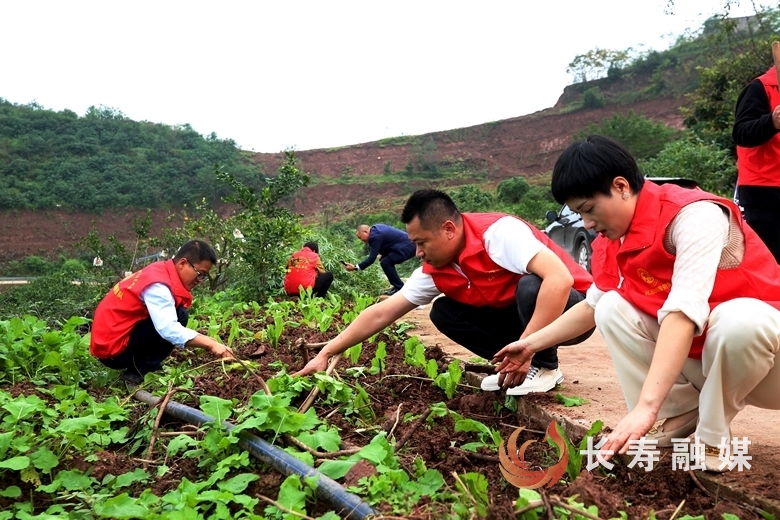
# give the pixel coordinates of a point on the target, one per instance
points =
(590, 374)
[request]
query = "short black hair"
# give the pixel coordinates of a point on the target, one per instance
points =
(313, 246)
(432, 207)
(588, 167)
(196, 251)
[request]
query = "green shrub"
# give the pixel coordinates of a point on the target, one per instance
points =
(710, 166)
(638, 134)
(593, 98)
(512, 191)
(472, 198)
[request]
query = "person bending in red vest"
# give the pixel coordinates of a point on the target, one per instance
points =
(501, 279)
(757, 136)
(305, 269)
(685, 294)
(144, 316)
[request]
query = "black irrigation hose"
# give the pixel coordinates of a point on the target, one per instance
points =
(346, 504)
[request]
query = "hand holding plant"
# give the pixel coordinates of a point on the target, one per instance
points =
(318, 364)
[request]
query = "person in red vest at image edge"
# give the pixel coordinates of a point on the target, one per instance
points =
(144, 316)
(305, 269)
(501, 278)
(756, 129)
(685, 294)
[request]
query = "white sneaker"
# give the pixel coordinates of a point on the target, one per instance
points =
(538, 380)
(490, 383)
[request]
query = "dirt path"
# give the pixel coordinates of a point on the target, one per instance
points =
(590, 374)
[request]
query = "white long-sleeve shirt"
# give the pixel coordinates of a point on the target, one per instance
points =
(699, 249)
(162, 309)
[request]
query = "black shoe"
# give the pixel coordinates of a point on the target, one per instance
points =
(132, 378)
(390, 292)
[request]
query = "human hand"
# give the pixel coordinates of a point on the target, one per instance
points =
(776, 117)
(517, 354)
(223, 352)
(631, 427)
(318, 364)
(513, 375)
(349, 267)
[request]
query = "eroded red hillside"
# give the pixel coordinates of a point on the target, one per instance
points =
(525, 145)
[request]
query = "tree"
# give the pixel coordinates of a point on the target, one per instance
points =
(596, 63)
(471, 198)
(512, 191)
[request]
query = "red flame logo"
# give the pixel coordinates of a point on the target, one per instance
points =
(518, 473)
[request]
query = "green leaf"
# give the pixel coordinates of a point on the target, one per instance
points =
(290, 494)
(121, 506)
(569, 401)
(11, 492)
(336, 469)
(219, 408)
(374, 453)
(127, 479)
(44, 459)
(16, 463)
(430, 482)
(238, 483)
(24, 406)
(432, 368)
(5, 442)
(304, 456)
(327, 438)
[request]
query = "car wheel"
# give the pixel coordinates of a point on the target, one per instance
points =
(582, 254)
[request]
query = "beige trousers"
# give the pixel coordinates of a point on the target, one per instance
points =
(737, 365)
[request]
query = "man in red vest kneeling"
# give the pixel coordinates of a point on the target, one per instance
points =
(144, 316)
(501, 279)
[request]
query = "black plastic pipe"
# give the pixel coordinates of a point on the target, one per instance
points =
(346, 504)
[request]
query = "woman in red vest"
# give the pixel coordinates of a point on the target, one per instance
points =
(686, 296)
(757, 135)
(305, 269)
(141, 319)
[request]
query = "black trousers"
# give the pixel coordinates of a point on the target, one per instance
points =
(762, 212)
(146, 349)
(388, 263)
(486, 330)
(322, 284)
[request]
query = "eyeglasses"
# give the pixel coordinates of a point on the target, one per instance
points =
(201, 275)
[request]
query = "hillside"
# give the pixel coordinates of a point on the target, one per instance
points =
(355, 177)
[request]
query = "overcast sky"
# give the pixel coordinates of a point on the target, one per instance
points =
(316, 74)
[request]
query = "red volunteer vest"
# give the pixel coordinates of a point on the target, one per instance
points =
(486, 284)
(758, 165)
(301, 270)
(122, 307)
(647, 267)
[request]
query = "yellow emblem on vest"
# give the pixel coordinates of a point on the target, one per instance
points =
(648, 278)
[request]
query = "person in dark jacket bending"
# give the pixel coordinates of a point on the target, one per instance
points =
(394, 246)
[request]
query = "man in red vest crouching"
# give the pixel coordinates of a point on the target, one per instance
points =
(144, 316)
(305, 269)
(501, 278)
